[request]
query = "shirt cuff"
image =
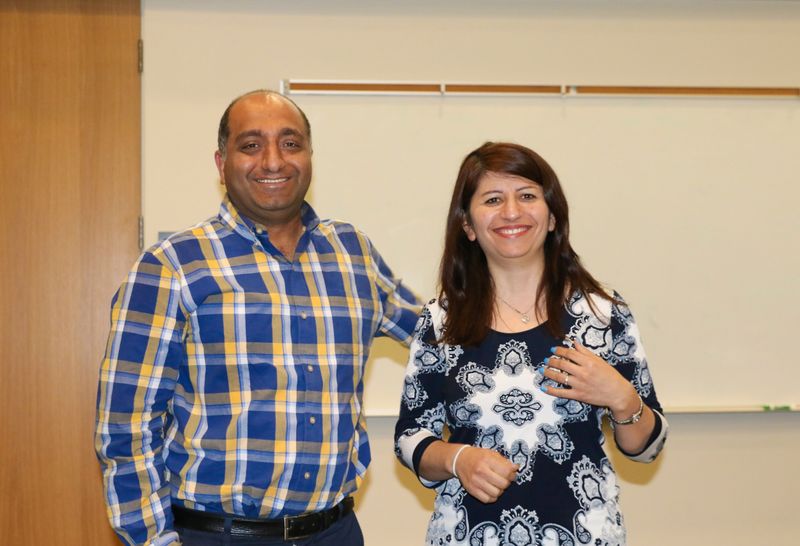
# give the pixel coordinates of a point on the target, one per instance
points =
(410, 455)
(169, 538)
(420, 449)
(654, 443)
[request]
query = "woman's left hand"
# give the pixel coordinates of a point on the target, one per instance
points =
(590, 379)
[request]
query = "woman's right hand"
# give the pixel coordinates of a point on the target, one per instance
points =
(484, 473)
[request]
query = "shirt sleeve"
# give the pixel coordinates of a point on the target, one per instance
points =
(422, 406)
(629, 358)
(401, 306)
(137, 382)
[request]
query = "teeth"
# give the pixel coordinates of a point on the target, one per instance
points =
(271, 180)
(512, 231)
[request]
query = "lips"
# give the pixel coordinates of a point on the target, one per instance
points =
(511, 231)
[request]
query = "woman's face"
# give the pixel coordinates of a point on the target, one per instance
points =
(509, 219)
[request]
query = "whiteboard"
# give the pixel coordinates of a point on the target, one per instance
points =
(686, 206)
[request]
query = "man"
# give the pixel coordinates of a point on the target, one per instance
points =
(229, 403)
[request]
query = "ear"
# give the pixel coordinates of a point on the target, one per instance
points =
(469, 231)
(220, 162)
(551, 225)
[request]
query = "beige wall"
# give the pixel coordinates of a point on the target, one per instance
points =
(725, 478)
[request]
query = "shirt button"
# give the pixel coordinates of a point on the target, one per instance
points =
(303, 315)
(312, 419)
(310, 368)
(307, 475)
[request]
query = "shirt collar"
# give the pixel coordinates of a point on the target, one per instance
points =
(244, 226)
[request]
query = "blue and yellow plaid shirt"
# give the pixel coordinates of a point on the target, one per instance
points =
(233, 377)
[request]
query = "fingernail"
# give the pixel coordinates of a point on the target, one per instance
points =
(546, 360)
(553, 350)
(543, 388)
(540, 369)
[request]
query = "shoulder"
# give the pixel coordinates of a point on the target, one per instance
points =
(333, 227)
(604, 306)
(336, 224)
(345, 237)
(186, 246)
(437, 309)
(431, 321)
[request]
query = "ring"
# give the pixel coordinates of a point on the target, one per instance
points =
(566, 378)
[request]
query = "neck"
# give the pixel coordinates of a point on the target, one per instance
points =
(516, 308)
(285, 236)
(516, 284)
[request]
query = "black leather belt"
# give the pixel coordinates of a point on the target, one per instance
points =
(289, 527)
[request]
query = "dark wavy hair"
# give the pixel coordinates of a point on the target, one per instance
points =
(466, 288)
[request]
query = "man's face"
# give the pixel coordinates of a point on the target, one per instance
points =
(267, 164)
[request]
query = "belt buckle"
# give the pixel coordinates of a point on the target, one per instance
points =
(288, 528)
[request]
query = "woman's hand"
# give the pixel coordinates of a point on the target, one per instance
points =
(484, 473)
(594, 381)
(591, 380)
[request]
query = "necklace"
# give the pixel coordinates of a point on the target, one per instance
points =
(523, 316)
(510, 329)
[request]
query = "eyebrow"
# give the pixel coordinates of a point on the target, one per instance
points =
(487, 192)
(287, 131)
(527, 187)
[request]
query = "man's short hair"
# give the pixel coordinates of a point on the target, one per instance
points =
(224, 130)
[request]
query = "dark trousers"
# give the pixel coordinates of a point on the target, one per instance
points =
(345, 532)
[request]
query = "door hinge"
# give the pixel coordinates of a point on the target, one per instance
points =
(141, 232)
(141, 56)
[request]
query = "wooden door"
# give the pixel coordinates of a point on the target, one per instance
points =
(70, 177)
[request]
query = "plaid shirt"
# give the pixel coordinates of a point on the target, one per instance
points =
(233, 377)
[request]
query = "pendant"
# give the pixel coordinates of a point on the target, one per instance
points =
(525, 318)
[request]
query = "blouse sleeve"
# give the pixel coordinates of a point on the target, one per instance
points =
(422, 405)
(629, 358)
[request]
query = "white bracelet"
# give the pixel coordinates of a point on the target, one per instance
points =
(455, 458)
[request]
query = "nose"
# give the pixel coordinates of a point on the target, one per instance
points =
(510, 210)
(272, 158)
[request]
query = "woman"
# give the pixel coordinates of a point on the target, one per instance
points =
(519, 358)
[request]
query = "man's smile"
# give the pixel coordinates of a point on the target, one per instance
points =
(272, 180)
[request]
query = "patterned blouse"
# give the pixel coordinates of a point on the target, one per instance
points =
(566, 492)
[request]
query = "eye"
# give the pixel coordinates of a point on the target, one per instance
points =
(249, 146)
(292, 144)
(492, 201)
(528, 196)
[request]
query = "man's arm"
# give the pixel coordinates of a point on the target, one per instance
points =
(137, 381)
(401, 307)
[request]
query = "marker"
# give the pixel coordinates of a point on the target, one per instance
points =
(776, 408)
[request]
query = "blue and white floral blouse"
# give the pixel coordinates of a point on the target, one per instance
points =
(566, 491)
